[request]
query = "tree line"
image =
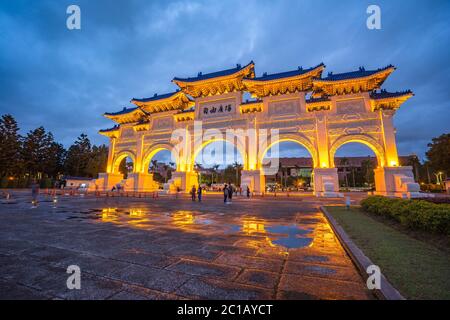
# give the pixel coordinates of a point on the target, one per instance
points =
(37, 156)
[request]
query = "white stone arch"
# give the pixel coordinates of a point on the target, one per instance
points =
(369, 141)
(297, 138)
(153, 150)
(120, 156)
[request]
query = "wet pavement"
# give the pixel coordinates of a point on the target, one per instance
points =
(167, 248)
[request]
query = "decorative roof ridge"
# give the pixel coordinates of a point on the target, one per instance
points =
(360, 73)
(285, 74)
(207, 76)
(125, 110)
(157, 97)
(383, 93)
(116, 127)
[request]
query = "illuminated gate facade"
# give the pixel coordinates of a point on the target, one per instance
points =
(320, 113)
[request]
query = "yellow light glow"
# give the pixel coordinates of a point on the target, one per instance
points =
(183, 218)
(250, 226)
(136, 212)
(393, 163)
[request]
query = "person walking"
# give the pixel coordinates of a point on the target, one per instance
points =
(230, 192)
(34, 193)
(193, 192)
(248, 192)
(225, 194)
(199, 193)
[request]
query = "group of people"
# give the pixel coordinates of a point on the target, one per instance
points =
(228, 191)
(197, 192)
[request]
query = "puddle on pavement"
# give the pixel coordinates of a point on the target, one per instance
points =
(290, 236)
(287, 236)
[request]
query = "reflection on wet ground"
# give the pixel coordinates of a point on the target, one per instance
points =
(173, 248)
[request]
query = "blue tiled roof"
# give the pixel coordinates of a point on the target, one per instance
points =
(211, 75)
(110, 129)
(251, 102)
(187, 110)
(124, 111)
(286, 74)
(354, 74)
(384, 94)
(156, 97)
(320, 99)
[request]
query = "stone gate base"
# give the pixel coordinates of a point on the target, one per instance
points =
(326, 182)
(141, 182)
(396, 182)
(254, 179)
(183, 181)
(106, 181)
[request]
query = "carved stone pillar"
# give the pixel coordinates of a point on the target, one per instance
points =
(388, 130)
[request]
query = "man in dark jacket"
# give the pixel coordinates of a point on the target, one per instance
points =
(225, 194)
(230, 192)
(199, 193)
(193, 192)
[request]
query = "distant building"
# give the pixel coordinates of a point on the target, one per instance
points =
(302, 166)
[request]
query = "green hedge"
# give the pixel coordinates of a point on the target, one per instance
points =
(414, 214)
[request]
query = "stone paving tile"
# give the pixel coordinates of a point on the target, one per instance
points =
(323, 288)
(259, 278)
(259, 263)
(143, 258)
(325, 271)
(92, 288)
(320, 258)
(12, 291)
(218, 290)
(93, 264)
(197, 268)
(136, 293)
(158, 279)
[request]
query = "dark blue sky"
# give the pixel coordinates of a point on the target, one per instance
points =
(65, 80)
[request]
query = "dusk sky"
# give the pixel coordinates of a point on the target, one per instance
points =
(66, 79)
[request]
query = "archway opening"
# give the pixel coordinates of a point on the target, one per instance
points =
(161, 165)
(287, 166)
(126, 166)
(355, 163)
(217, 163)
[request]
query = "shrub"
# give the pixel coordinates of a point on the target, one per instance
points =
(414, 214)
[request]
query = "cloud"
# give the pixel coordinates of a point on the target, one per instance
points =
(65, 79)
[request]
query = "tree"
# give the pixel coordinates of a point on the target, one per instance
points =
(214, 171)
(10, 145)
(78, 157)
(238, 167)
(97, 161)
(36, 153)
(438, 154)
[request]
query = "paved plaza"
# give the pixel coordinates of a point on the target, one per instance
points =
(167, 248)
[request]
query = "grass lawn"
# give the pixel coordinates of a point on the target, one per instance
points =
(417, 269)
